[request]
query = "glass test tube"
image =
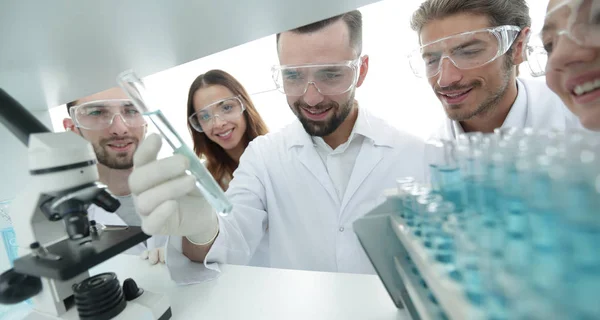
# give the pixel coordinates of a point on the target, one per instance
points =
(210, 189)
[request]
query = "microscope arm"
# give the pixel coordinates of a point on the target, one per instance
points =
(17, 119)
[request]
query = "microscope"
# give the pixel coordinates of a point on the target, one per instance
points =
(58, 243)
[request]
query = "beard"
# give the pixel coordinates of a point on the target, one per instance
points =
(327, 126)
(494, 96)
(118, 161)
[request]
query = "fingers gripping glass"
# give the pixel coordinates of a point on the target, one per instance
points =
(205, 182)
(328, 79)
(466, 50)
(226, 110)
(100, 114)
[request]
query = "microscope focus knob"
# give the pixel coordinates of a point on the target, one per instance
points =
(131, 289)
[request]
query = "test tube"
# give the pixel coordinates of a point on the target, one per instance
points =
(434, 154)
(442, 242)
(414, 194)
(405, 189)
(403, 181)
(403, 186)
(450, 180)
(210, 189)
(421, 216)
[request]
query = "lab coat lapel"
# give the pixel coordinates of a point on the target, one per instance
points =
(368, 158)
(308, 156)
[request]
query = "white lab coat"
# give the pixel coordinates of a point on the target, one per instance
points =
(536, 107)
(282, 182)
(108, 218)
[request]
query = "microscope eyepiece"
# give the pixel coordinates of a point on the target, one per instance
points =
(106, 201)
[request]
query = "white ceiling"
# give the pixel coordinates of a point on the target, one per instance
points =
(52, 52)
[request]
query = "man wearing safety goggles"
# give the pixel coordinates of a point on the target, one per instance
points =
(470, 53)
(307, 183)
(110, 122)
(571, 46)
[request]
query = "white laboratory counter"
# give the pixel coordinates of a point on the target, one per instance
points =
(243, 292)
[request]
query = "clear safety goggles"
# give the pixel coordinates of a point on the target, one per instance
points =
(226, 110)
(328, 79)
(100, 114)
(466, 50)
(579, 20)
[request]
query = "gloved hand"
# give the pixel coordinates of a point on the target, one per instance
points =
(154, 256)
(167, 198)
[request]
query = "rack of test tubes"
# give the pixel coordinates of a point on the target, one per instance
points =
(508, 227)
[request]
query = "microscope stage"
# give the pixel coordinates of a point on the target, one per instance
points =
(78, 256)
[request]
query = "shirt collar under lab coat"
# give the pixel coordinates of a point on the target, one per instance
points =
(365, 125)
(516, 118)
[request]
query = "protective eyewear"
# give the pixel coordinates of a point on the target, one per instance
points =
(581, 21)
(226, 110)
(467, 50)
(536, 58)
(328, 79)
(100, 114)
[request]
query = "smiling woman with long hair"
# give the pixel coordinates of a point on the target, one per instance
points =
(222, 121)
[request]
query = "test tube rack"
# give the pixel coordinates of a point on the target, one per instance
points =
(413, 279)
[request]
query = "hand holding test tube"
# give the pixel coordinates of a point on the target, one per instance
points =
(210, 189)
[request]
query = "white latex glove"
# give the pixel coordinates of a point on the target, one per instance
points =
(154, 256)
(166, 197)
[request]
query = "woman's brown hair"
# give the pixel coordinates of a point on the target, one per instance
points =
(218, 162)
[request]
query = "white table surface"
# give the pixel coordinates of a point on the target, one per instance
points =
(243, 292)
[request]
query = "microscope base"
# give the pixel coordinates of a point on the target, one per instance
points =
(148, 306)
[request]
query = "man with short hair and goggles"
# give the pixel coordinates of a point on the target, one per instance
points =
(466, 50)
(328, 79)
(100, 114)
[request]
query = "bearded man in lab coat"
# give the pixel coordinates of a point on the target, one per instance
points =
(301, 187)
(470, 51)
(110, 122)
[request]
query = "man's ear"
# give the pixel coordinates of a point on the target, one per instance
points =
(68, 124)
(520, 45)
(364, 68)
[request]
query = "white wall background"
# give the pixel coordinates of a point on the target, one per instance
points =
(390, 90)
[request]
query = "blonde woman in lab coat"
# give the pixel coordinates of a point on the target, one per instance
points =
(571, 40)
(478, 85)
(223, 120)
(114, 128)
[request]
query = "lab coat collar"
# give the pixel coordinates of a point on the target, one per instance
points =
(516, 118)
(366, 125)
